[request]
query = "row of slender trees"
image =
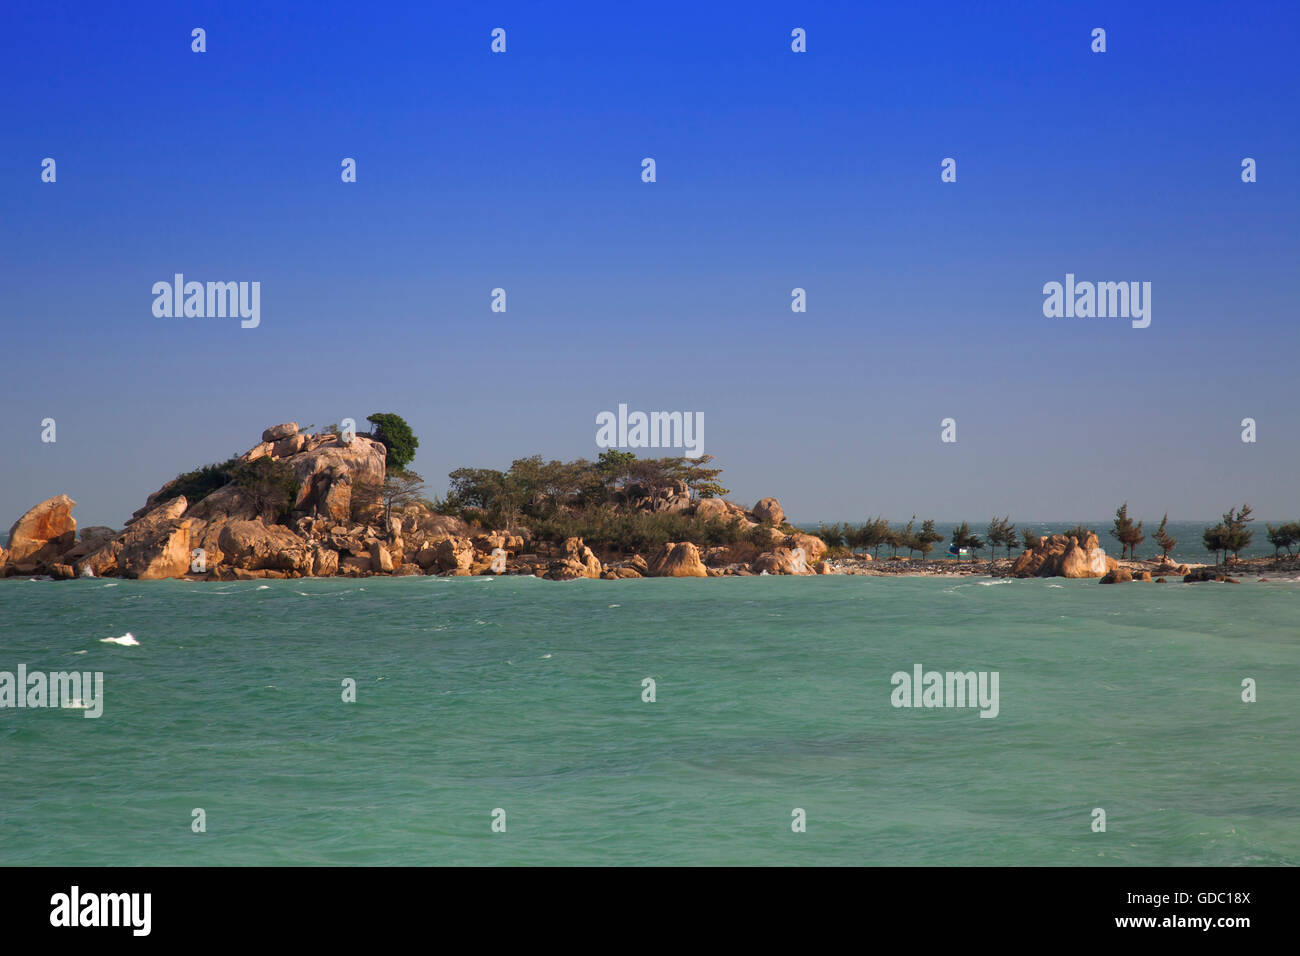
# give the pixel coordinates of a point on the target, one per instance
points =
(876, 533)
(1229, 536)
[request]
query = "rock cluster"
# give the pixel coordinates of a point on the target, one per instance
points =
(224, 534)
(1059, 556)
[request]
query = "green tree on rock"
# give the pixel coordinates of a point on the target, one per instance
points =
(396, 436)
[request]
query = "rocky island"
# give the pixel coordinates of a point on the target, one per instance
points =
(337, 522)
(332, 503)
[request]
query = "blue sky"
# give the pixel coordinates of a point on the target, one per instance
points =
(775, 170)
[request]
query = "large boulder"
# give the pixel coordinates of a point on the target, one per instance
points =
(1080, 561)
(254, 546)
(814, 548)
(157, 545)
(452, 554)
(324, 562)
(41, 535)
(287, 447)
(575, 550)
(781, 561)
(334, 498)
(768, 511)
(616, 574)
(1119, 576)
(101, 563)
(227, 503)
(707, 508)
(277, 432)
(89, 540)
(352, 565)
(381, 562)
(677, 560)
(565, 569)
(362, 460)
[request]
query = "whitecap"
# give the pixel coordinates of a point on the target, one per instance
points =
(113, 585)
(546, 657)
(75, 704)
(263, 587)
(126, 640)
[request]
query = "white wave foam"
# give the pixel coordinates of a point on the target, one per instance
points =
(126, 640)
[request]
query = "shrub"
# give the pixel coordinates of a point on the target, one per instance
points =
(198, 484)
(271, 485)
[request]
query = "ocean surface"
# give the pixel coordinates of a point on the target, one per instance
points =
(772, 694)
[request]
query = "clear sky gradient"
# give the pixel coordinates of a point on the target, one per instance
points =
(775, 170)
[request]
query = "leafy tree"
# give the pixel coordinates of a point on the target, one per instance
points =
(1283, 536)
(963, 538)
(613, 466)
(1237, 534)
(1214, 539)
(477, 487)
(1126, 532)
(927, 537)
(1031, 540)
(701, 481)
(1009, 537)
(1230, 534)
(396, 436)
(875, 533)
(1001, 531)
(833, 535)
(1079, 532)
(1164, 539)
(894, 540)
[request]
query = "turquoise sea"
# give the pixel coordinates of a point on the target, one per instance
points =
(772, 694)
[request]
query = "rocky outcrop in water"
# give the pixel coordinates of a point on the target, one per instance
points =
(1059, 556)
(219, 524)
